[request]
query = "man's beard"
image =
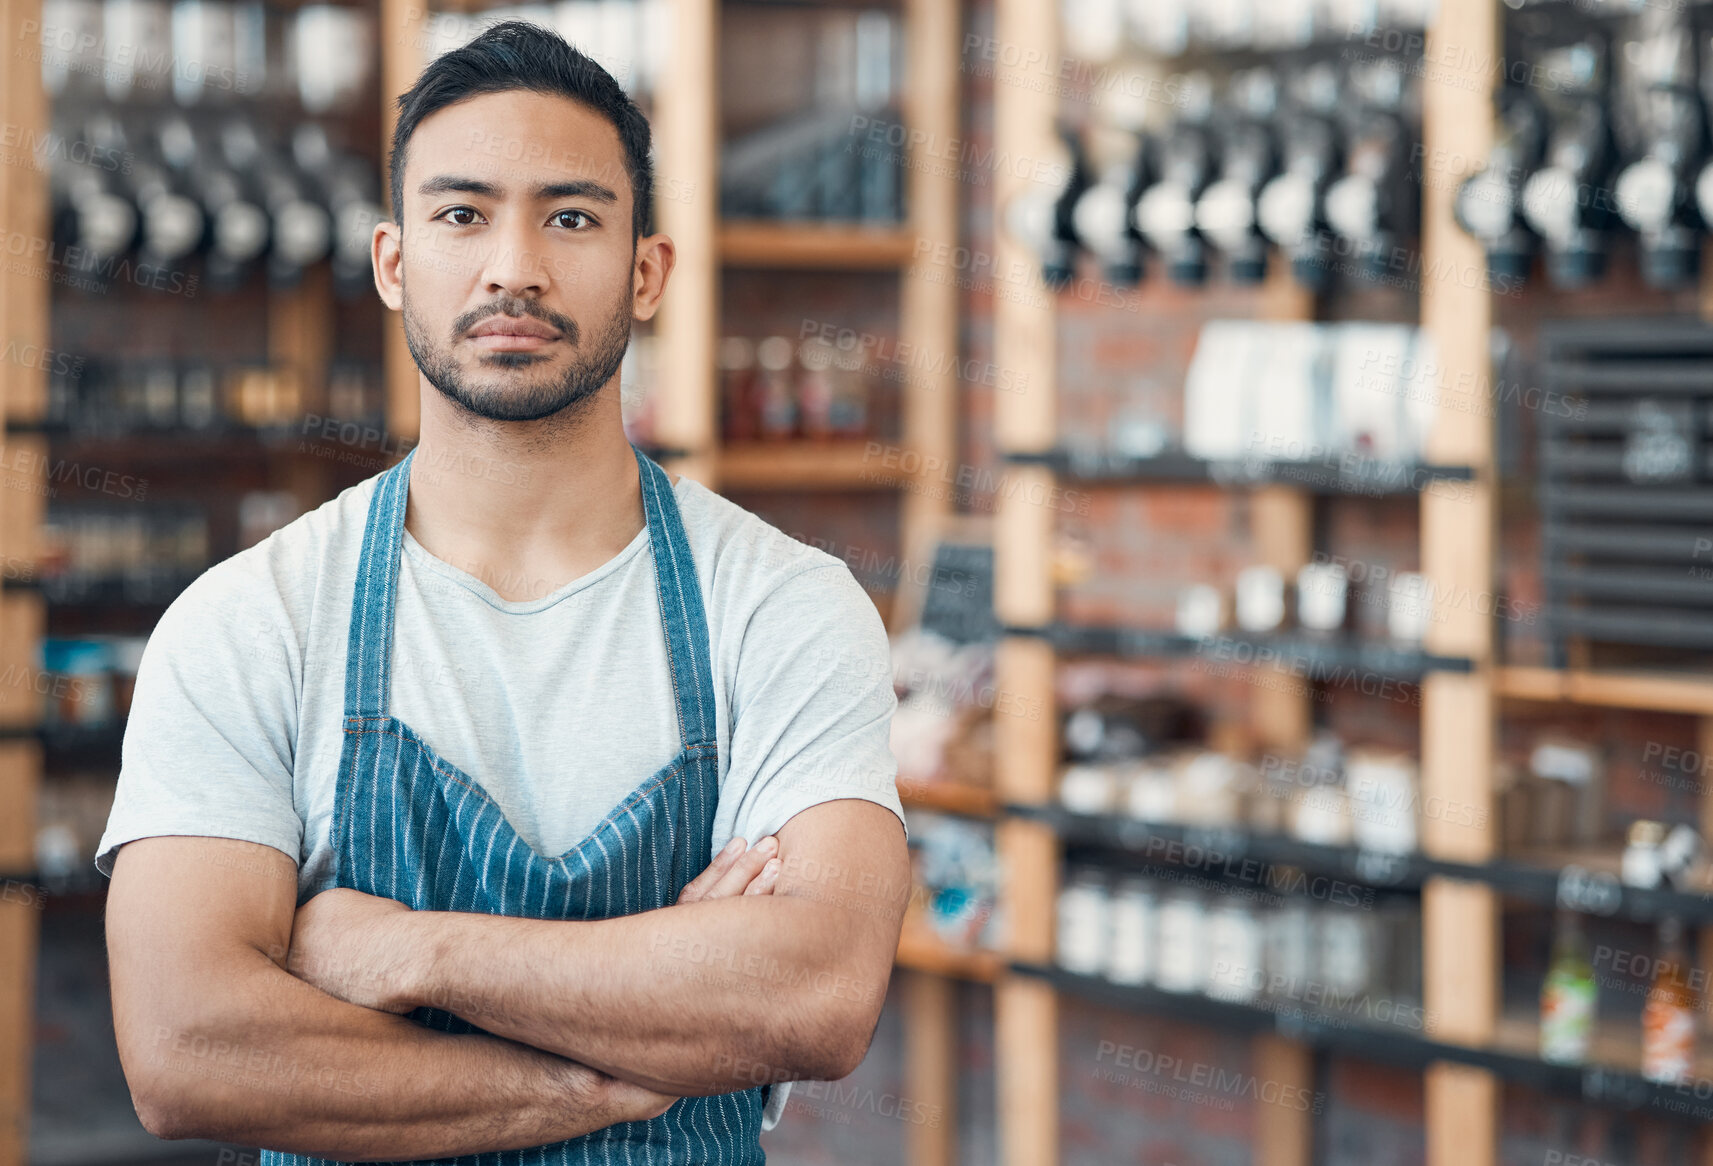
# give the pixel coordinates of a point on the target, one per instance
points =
(589, 371)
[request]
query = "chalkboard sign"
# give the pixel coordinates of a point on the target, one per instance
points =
(959, 604)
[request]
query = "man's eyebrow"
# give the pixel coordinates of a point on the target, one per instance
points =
(580, 188)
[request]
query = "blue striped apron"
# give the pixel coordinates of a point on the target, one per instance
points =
(410, 826)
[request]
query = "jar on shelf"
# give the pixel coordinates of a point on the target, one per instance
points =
(740, 409)
(1235, 950)
(778, 393)
(1083, 923)
(1182, 963)
(1135, 931)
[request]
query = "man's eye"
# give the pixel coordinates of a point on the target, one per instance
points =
(451, 216)
(559, 217)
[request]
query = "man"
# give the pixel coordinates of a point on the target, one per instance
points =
(416, 792)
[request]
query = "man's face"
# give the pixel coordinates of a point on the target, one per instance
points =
(518, 266)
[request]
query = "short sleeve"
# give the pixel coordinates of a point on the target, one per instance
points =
(812, 703)
(209, 741)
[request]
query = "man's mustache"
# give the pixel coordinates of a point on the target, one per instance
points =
(515, 307)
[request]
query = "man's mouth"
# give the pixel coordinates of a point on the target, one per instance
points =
(512, 334)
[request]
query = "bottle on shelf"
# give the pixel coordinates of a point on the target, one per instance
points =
(741, 412)
(1668, 1017)
(238, 226)
(1041, 217)
(1291, 209)
(1166, 212)
(1489, 203)
(1654, 193)
(1372, 205)
(776, 391)
(1226, 213)
(815, 388)
(1101, 218)
(1566, 200)
(1567, 995)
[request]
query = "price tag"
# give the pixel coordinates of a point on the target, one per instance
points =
(1590, 892)
(1612, 1088)
(1379, 868)
(1217, 839)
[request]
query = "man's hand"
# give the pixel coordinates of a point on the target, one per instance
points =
(346, 943)
(736, 871)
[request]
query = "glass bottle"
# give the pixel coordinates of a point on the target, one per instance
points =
(1668, 1018)
(1567, 995)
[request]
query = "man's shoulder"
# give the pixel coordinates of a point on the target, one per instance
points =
(742, 549)
(284, 572)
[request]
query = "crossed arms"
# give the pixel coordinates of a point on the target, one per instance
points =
(241, 1019)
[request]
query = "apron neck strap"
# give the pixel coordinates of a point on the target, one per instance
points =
(369, 654)
(681, 613)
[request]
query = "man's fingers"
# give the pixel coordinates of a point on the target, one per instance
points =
(744, 871)
(764, 882)
(698, 887)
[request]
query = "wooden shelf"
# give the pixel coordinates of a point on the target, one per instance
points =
(920, 950)
(1655, 691)
(949, 798)
(815, 246)
(803, 465)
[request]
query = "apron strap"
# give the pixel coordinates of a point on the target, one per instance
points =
(681, 612)
(369, 651)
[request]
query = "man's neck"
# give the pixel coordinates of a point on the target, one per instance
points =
(524, 506)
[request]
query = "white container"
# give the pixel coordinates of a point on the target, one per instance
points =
(1323, 592)
(1151, 795)
(1201, 611)
(1323, 816)
(1083, 924)
(1135, 932)
(1383, 801)
(1409, 609)
(1348, 941)
(1087, 789)
(1290, 956)
(1260, 599)
(1235, 952)
(1182, 962)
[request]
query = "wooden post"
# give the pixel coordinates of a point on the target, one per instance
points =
(931, 1068)
(928, 323)
(687, 132)
(929, 296)
(404, 46)
(1460, 921)
(1026, 750)
(25, 302)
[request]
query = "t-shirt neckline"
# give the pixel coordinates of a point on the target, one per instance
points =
(421, 556)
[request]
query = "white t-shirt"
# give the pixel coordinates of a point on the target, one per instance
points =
(559, 706)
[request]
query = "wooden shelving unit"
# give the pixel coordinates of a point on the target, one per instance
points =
(803, 465)
(815, 246)
(687, 142)
(1460, 918)
(24, 313)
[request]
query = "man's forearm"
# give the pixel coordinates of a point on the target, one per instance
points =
(687, 999)
(268, 1060)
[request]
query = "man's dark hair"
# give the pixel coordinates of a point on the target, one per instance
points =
(515, 54)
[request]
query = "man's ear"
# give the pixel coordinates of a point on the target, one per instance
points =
(386, 252)
(655, 256)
